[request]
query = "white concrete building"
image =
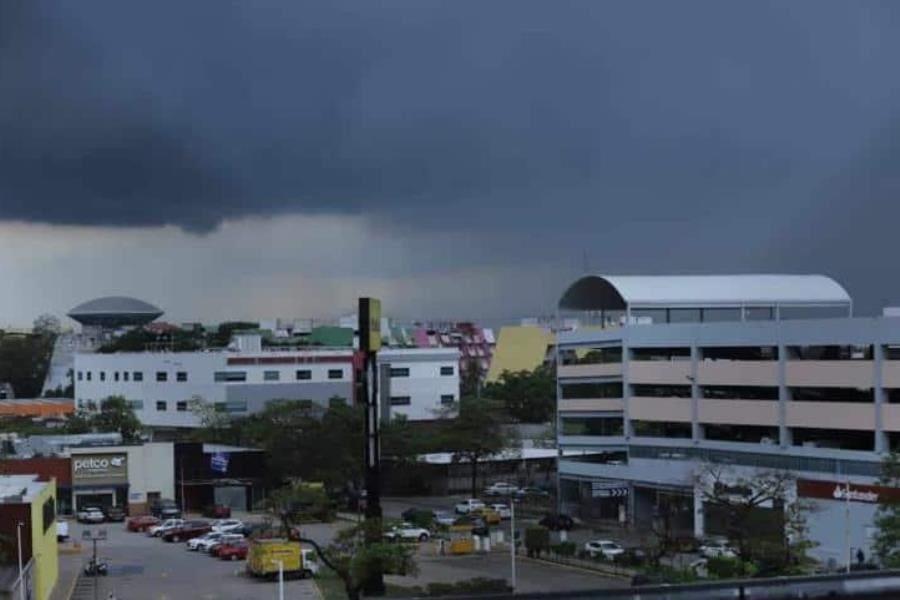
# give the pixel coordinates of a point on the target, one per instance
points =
(421, 384)
(753, 374)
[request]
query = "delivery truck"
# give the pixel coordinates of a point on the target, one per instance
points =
(264, 556)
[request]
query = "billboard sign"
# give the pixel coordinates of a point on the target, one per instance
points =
(218, 462)
(103, 469)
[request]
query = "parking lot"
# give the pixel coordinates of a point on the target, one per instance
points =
(144, 568)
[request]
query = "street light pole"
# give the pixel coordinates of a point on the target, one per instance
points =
(512, 541)
(19, 526)
(280, 579)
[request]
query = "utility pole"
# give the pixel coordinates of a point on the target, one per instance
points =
(369, 344)
(19, 526)
(512, 542)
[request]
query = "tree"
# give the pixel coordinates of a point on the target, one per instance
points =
(350, 556)
(476, 434)
(24, 361)
(527, 396)
(470, 378)
(759, 514)
(117, 415)
(46, 325)
(887, 519)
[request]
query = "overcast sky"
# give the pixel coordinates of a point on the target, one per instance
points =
(459, 159)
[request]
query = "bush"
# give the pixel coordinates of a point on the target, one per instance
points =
(565, 549)
(420, 518)
(537, 540)
(723, 567)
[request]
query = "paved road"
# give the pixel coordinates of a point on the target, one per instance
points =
(143, 568)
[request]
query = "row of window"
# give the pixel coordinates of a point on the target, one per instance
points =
(446, 400)
(219, 376)
(136, 376)
(299, 375)
(726, 392)
(613, 354)
(404, 371)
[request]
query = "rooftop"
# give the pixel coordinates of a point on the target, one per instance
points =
(17, 489)
(115, 311)
(625, 292)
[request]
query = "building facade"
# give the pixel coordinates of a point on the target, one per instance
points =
(28, 513)
(743, 374)
(420, 384)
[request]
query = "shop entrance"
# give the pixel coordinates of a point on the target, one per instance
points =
(232, 496)
(98, 498)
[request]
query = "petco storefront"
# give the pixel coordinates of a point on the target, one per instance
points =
(99, 478)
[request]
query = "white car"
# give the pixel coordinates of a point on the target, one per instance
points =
(62, 530)
(501, 509)
(158, 530)
(467, 506)
(608, 549)
(442, 517)
(407, 532)
(90, 514)
(227, 525)
(501, 488)
(194, 544)
(717, 548)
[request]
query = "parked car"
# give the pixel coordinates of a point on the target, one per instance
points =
(474, 523)
(716, 548)
(165, 509)
(90, 514)
(406, 532)
(217, 511)
(62, 530)
(201, 543)
(557, 522)
(490, 516)
(236, 550)
(227, 526)
(114, 514)
(141, 523)
(501, 488)
(228, 538)
(167, 525)
(466, 506)
(188, 530)
(531, 493)
(501, 509)
(606, 549)
(443, 517)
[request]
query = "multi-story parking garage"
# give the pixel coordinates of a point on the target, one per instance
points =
(668, 375)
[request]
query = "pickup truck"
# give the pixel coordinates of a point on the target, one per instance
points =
(190, 529)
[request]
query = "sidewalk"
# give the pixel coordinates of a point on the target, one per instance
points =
(70, 563)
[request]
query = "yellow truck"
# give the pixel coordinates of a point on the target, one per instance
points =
(264, 556)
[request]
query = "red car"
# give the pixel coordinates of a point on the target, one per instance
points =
(234, 550)
(190, 529)
(142, 523)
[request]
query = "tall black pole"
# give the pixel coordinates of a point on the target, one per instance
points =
(369, 343)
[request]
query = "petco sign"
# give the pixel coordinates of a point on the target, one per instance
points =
(100, 468)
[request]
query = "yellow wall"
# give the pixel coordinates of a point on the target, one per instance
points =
(44, 545)
(520, 348)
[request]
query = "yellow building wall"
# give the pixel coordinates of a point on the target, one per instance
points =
(519, 348)
(44, 545)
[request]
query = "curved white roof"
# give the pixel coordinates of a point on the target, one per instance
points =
(618, 291)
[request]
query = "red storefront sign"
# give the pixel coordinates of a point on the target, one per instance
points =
(835, 490)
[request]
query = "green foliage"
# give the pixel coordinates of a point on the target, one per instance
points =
(24, 361)
(723, 567)
(537, 540)
(115, 415)
(46, 325)
(564, 549)
(222, 336)
(139, 339)
(887, 519)
(526, 396)
(667, 574)
(422, 518)
(297, 503)
(356, 560)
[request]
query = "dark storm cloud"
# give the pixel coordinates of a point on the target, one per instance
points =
(520, 113)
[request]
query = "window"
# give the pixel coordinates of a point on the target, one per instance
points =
(80, 375)
(335, 373)
(136, 404)
(447, 371)
(739, 392)
(304, 375)
(832, 394)
(661, 429)
(235, 406)
(161, 405)
(116, 376)
(661, 354)
(219, 406)
(750, 434)
(88, 375)
(102, 375)
(49, 513)
(592, 426)
(447, 399)
(661, 391)
(181, 406)
(591, 390)
(591, 356)
(181, 376)
(830, 352)
(270, 376)
(400, 401)
(138, 376)
(740, 353)
(162, 376)
(336, 401)
(125, 375)
(230, 376)
(400, 372)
